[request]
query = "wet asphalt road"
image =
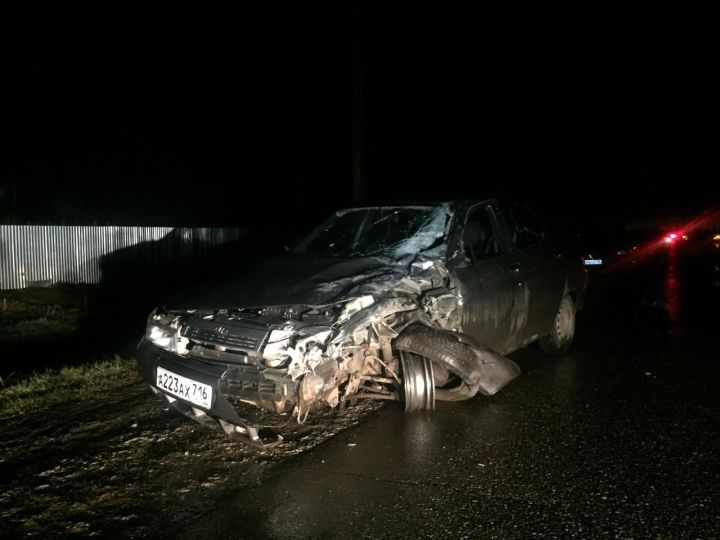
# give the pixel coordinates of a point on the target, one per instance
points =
(619, 439)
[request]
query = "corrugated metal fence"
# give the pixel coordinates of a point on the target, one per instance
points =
(38, 255)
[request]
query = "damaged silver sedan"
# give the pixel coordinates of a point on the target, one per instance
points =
(406, 303)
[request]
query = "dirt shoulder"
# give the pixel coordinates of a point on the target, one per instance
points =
(89, 450)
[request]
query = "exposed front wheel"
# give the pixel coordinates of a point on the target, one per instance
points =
(419, 382)
(561, 336)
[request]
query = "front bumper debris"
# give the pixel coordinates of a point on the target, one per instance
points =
(238, 381)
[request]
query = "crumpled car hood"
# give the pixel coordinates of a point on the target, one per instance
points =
(296, 280)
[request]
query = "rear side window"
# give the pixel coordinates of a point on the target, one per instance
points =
(526, 228)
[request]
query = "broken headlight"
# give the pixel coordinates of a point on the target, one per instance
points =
(277, 352)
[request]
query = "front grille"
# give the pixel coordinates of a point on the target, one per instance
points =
(202, 335)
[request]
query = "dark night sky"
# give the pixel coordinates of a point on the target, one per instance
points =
(183, 114)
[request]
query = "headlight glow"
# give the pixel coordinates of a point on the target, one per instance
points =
(163, 329)
(161, 336)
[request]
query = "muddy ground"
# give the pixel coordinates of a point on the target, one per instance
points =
(124, 464)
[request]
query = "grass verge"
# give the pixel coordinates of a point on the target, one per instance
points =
(43, 327)
(52, 387)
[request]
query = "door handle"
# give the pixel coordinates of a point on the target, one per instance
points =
(515, 268)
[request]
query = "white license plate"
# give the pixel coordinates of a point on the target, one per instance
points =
(184, 388)
(593, 262)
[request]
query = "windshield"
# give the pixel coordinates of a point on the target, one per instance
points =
(382, 231)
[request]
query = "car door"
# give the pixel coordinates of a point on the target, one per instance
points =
(542, 268)
(487, 278)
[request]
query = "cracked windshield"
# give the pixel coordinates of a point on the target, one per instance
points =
(382, 231)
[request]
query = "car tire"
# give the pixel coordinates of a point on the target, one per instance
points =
(561, 336)
(446, 354)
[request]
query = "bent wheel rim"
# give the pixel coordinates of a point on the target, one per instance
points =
(418, 382)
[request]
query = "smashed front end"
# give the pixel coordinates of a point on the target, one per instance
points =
(394, 335)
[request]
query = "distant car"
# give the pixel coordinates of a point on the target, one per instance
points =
(603, 245)
(408, 303)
